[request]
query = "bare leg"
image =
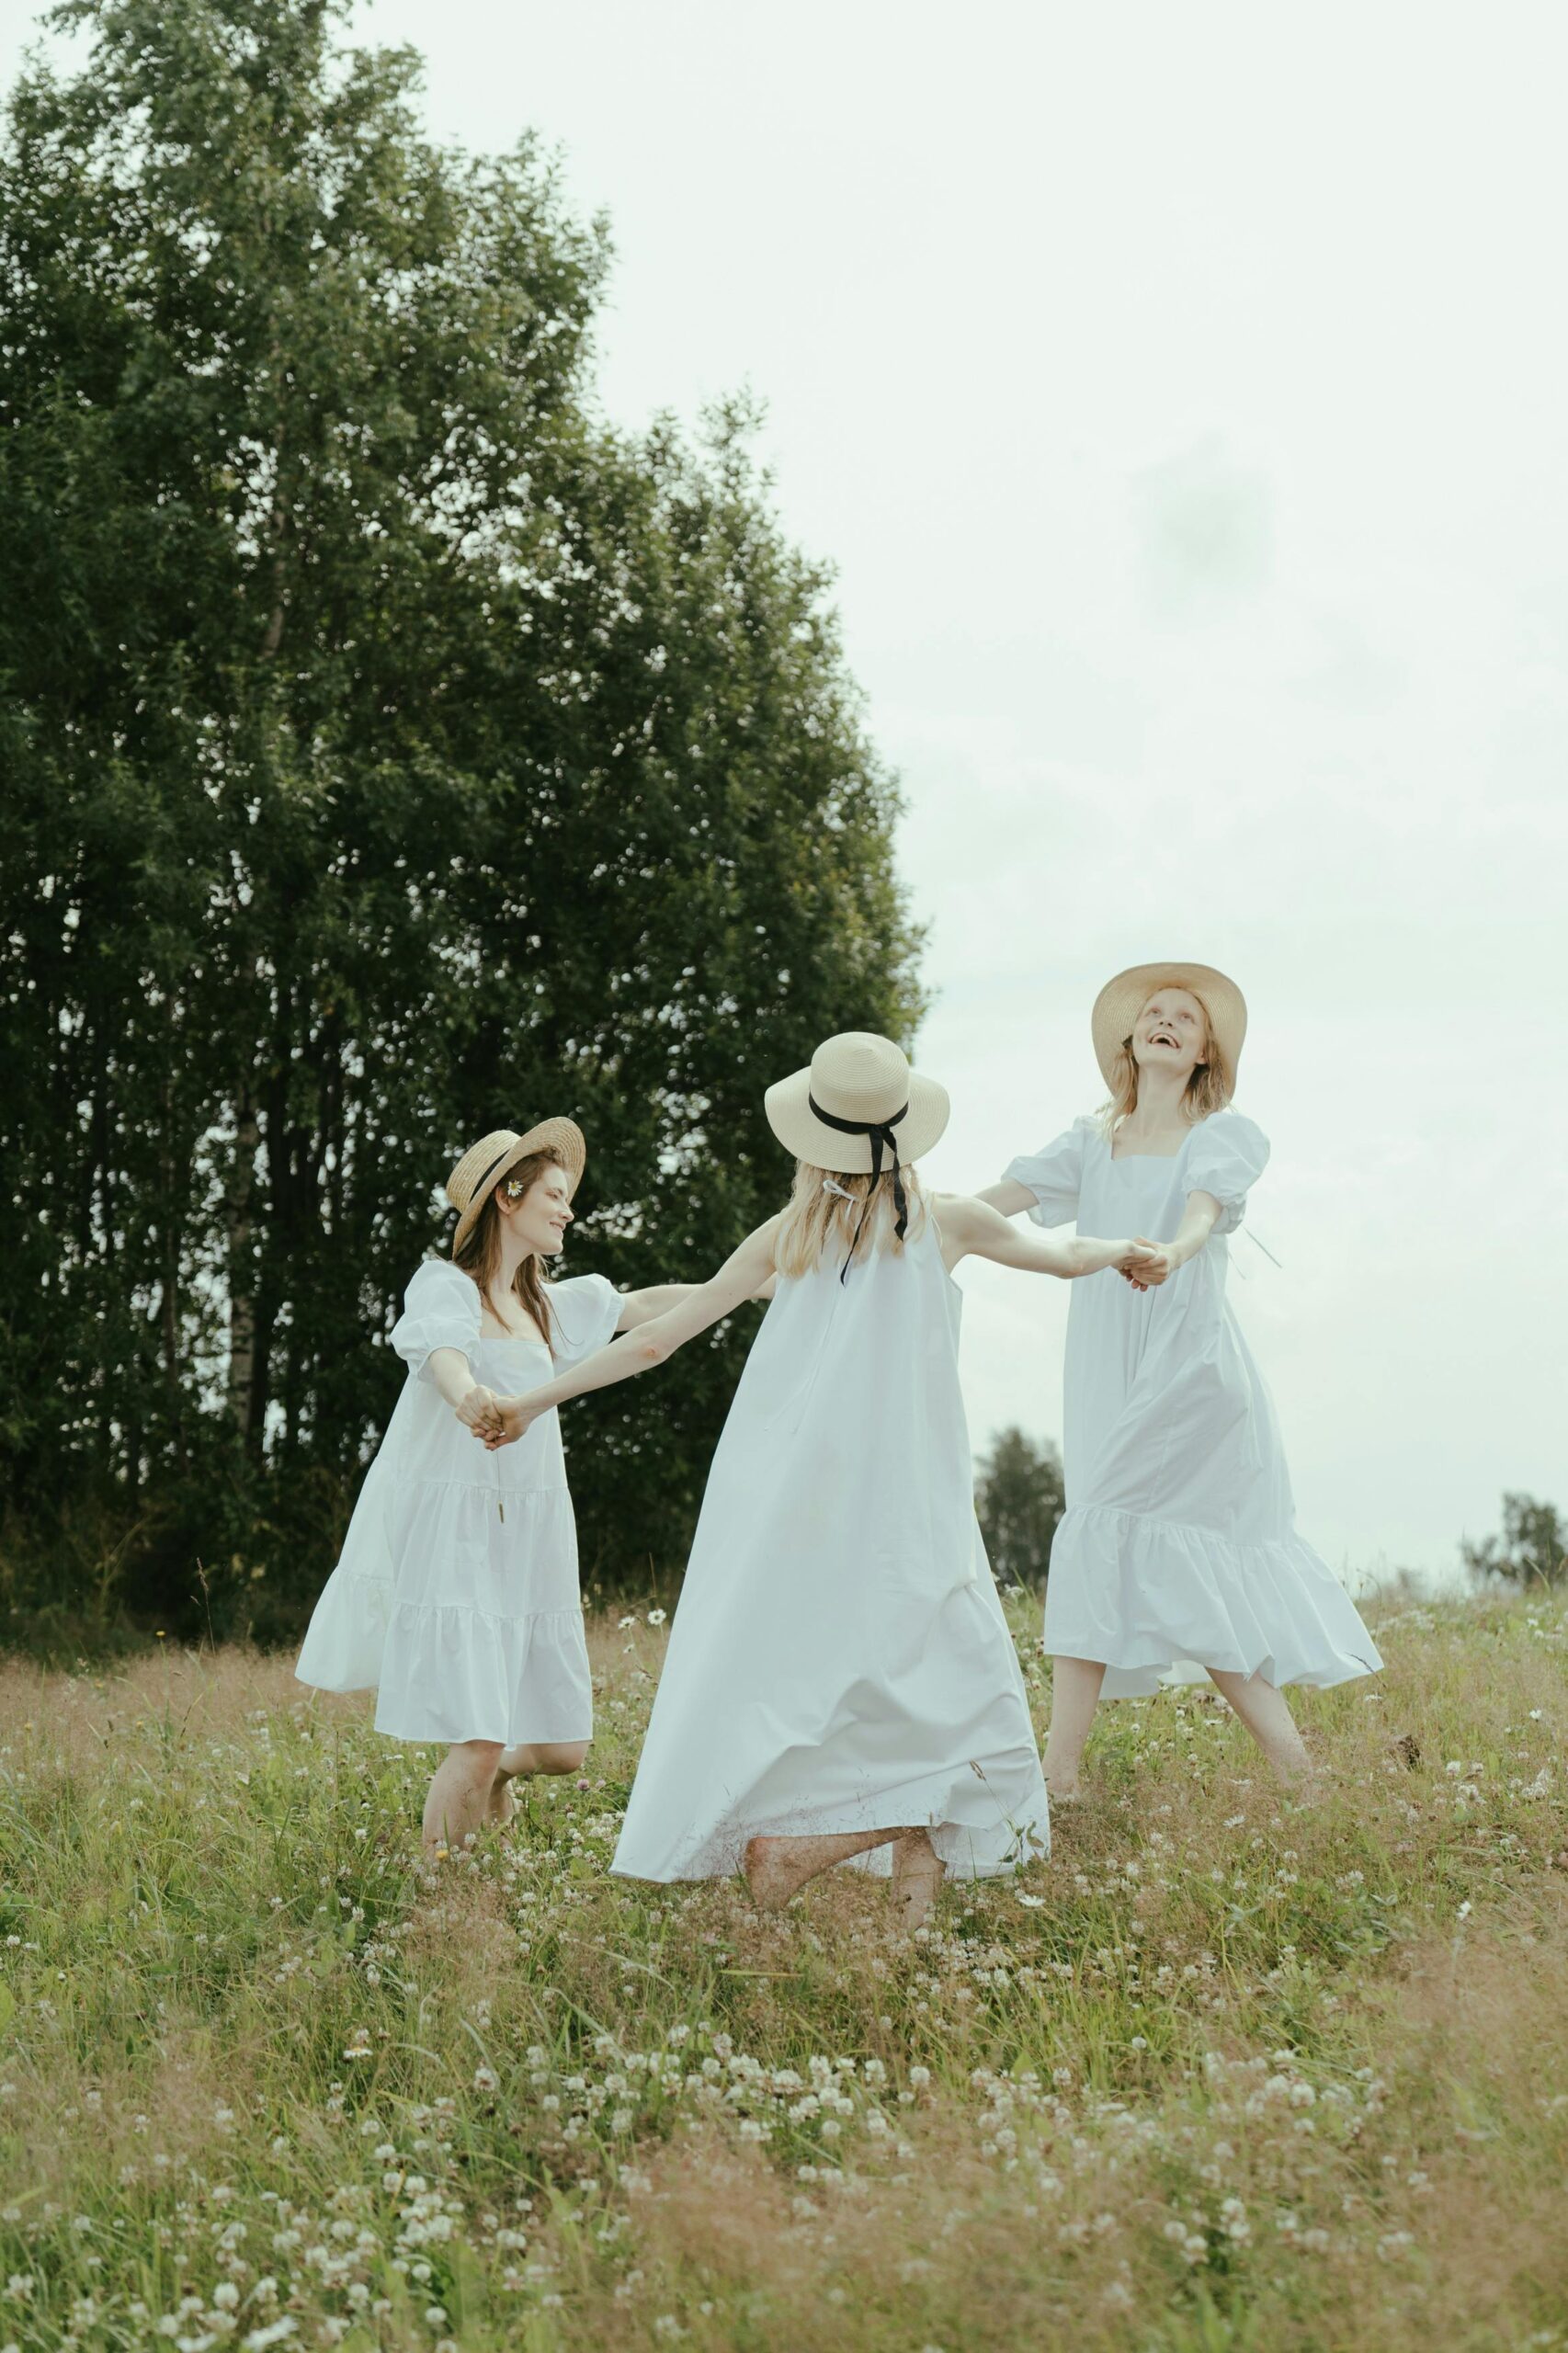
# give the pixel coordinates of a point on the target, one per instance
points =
(1075, 1696)
(531, 1757)
(776, 1868)
(460, 1794)
(1263, 1710)
(917, 1874)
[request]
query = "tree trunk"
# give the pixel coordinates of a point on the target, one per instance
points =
(242, 1274)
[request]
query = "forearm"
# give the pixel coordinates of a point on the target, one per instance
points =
(449, 1372)
(633, 1352)
(1198, 1224)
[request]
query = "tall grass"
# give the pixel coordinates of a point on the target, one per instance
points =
(1230, 2071)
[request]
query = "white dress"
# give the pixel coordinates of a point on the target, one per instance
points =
(456, 1594)
(839, 1660)
(1179, 1541)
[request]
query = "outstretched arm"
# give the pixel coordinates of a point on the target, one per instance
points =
(974, 1228)
(743, 1273)
(657, 1299)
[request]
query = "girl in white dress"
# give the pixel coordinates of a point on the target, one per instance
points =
(455, 1595)
(840, 1677)
(1179, 1541)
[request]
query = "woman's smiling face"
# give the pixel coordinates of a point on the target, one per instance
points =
(540, 1216)
(1171, 1033)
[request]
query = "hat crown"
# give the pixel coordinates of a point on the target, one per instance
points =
(859, 1075)
(465, 1176)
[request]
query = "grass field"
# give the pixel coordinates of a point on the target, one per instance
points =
(1229, 2071)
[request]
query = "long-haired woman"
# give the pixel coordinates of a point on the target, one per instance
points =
(840, 1677)
(456, 1595)
(1179, 1542)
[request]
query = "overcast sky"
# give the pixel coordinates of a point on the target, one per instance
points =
(1180, 393)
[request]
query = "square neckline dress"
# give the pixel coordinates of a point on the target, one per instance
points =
(456, 1595)
(1178, 1546)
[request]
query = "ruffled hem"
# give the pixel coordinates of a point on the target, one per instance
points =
(985, 1818)
(1152, 1597)
(448, 1671)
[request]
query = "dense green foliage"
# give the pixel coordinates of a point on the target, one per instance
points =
(391, 751)
(1019, 1496)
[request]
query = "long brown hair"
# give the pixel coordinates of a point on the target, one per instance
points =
(1206, 1090)
(480, 1257)
(818, 1213)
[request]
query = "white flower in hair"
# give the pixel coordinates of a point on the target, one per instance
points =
(829, 1186)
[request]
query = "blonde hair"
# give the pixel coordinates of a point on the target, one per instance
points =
(1207, 1090)
(480, 1257)
(816, 1218)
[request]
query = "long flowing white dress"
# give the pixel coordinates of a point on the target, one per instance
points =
(839, 1659)
(456, 1594)
(1178, 1543)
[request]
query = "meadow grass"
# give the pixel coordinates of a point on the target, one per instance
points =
(1230, 2071)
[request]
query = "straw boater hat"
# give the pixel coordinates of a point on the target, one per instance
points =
(485, 1163)
(1120, 1001)
(858, 1104)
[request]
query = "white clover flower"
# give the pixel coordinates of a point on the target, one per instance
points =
(226, 2296)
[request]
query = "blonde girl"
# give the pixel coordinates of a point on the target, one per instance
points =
(1179, 1541)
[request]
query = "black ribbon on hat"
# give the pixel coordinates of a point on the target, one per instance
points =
(882, 1140)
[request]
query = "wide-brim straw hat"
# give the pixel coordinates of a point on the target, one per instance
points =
(485, 1163)
(1120, 1001)
(865, 1081)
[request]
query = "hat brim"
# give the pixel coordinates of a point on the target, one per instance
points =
(564, 1137)
(1120, 1001)
(798, 1128)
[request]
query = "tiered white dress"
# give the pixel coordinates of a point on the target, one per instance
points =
(1179, 1540)
(456, 1594)
(839, 1660)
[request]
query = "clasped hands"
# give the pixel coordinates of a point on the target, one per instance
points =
(496, 1421)
(1155, 1264)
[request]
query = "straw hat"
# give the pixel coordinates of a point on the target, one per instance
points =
(1120, 1001)
(485, 1163)
(864, 1081)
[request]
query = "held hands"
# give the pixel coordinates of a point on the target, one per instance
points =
(476, 1407)
(497, 1421)
(1149, 1264)
(1141, 1263)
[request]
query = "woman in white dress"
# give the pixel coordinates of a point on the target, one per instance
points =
(1179, 1541)
(840, 1677)
(455, 1595)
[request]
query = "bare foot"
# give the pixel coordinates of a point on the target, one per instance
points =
(503, 1803)
(917, 1874)
(775, 1870)
(1064, 1792)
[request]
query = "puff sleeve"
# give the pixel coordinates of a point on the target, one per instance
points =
(440, 1309)
(584, 1312)
(1229, 1155)
(1053, 1174)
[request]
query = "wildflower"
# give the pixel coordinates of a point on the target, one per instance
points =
(655, 1617)
(624, 1623)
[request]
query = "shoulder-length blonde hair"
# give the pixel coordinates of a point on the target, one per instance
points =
(480, 1257)
(1206, 1090)
(818, 1221)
